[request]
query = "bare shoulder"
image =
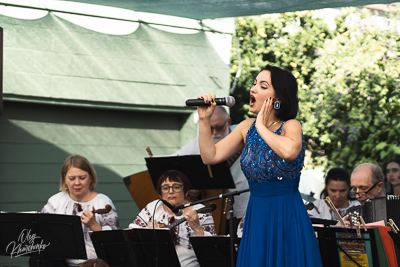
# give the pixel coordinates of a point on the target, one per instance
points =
(246, 124)
(292, 126)
(243, 127)
(292, 123)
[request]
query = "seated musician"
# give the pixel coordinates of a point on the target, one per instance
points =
(173, 187)
(77, 182)
(337, 187)
(366, 183)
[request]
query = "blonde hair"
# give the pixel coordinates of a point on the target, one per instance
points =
(79, 162)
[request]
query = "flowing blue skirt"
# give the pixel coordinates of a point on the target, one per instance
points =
(277, 229)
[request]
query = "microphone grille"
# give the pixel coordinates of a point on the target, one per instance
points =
(230, 101)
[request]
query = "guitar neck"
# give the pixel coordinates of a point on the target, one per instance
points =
(176, 223)
(181, 220)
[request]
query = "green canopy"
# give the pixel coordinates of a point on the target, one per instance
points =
(209, 9)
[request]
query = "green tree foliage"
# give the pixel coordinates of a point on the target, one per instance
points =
(348, 80)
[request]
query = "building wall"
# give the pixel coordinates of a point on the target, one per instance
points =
(35, 139)
(70, 90)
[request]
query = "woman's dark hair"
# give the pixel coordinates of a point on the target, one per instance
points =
(336, 174)
(388, 186)
(174, 176)
(285, 85)
(394, 160)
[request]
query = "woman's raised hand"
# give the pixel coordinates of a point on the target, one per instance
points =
(265, 112)
(206, 111)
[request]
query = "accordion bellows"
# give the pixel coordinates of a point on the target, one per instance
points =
(373, 210)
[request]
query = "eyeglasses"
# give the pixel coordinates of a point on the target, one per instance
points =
(353, 194)
(175, 188)
(219, 128)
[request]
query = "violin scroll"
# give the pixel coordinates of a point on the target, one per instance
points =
(107, 209)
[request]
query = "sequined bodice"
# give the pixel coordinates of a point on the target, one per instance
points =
(261, 164)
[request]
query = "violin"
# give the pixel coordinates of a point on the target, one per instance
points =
(107, 209)
(208, 209)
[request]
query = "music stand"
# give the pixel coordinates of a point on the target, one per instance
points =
(328, 242)
(396, 242)
(138, 247)
(112, 247)
(214, 251)
(201, 176)
(325, 222)
(396, 238)
(47, 235)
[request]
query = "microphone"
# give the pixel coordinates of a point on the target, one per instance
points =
(227, 101)
(176, 210)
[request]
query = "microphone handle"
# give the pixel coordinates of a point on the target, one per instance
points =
(173, 208)
(200, 102)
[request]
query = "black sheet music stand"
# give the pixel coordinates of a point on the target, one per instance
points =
(396, 238)
(330, 250)
(214, 251)
(325, 222)
(57, 236)
(138, 247)
(396, 242)
(201, 176)
(112, 247)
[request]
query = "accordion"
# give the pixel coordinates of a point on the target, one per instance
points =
(373, 210)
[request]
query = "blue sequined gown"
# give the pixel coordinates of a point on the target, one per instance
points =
(277, 229)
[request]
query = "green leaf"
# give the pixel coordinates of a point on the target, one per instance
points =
(381, 145)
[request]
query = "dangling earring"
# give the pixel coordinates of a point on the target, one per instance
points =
(277, 105)
(66, 189)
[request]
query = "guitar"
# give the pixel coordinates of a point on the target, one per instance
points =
(208, 209)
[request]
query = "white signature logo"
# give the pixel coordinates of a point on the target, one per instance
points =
(26, 244)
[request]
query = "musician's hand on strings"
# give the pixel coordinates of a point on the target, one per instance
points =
(193, 219)
(88, 218)
(153, 225)
(346, 220)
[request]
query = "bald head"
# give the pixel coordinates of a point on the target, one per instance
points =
(367, 182)
(373, 170)
(220, 112)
